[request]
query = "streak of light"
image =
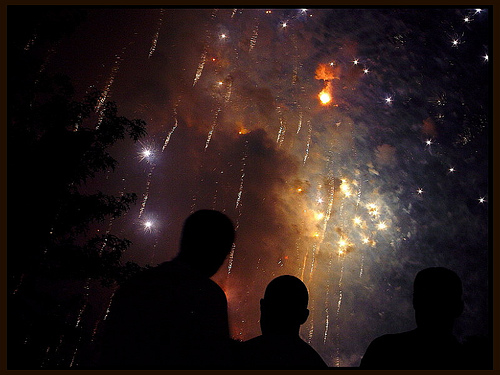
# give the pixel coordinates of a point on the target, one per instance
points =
(339, 304)
(106, 92)
(282, 130)
(31, 42)
(238, 204)
(253, 39)
(300, 122)
(227, 96)
(146, 194)
(157, 34)
(201, 65)
(211, 132)
(167, 138)
(96, 326)
(309, 136)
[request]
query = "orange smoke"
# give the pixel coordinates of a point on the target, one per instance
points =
(327, 72)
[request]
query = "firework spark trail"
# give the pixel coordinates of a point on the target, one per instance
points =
(107, 88)
(154, 251)
(226, 96)
(309, 136)
(282, 130)
(296, 59)
(214, 123)
(337, 326)
(79, 317)
(300, 121)
(146, 194)
(253, 39)
(201, 65)
(313, 258)
(311, 330)
(281, 133)
(327, 302)
(30, 42)
(77, 346)
(106, 313)
(238, 204)
(203, 57)
(167, 138)
(157, 34)
(229, 89)
(234, 12)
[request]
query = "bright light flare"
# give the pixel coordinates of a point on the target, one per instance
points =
(148, 226)
(319, 215)
(146, 153)
(325, 97)
(381, 226)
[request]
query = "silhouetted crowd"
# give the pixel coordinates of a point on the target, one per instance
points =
(174, 316)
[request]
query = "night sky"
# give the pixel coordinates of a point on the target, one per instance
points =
(354, 196)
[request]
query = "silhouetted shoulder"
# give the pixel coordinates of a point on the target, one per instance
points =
(162, 315)
(413, 350)
(278, 352)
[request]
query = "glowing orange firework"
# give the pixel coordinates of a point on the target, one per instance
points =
(325, 97)
(326, 73)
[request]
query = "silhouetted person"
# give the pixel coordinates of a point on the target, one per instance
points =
(282, 311)
(437, 300)
(173, 316)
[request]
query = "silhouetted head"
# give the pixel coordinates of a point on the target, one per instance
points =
(437, 298)
(284, 306)
(207, 238)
